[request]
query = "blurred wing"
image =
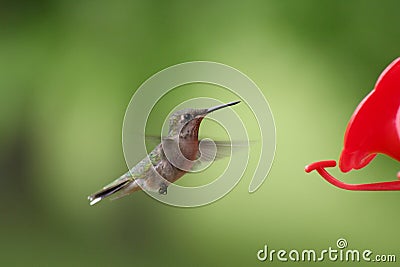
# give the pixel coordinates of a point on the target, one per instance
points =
(207, 149)
(221, 149)
(214, 150)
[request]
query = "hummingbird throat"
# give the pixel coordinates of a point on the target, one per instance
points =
(190, 130)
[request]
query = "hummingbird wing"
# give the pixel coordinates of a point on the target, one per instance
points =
(210, 150)
(223, 148)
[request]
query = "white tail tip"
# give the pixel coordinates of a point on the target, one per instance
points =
(94, 201)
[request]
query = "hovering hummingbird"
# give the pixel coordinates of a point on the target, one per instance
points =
(156, 171)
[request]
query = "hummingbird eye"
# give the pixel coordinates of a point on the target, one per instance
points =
(187, 116)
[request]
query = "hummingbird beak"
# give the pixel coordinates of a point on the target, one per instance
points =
(221, 106)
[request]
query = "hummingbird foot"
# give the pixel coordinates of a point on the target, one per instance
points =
(163, 189)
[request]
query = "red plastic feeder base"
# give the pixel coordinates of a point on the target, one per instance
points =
(320, 168)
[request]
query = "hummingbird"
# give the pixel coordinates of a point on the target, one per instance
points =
(169, 160)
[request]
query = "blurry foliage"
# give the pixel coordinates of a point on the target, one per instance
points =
(68, 70)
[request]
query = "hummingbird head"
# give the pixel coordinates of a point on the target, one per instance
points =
(186, 122)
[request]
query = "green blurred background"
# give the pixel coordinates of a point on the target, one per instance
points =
(68, 70)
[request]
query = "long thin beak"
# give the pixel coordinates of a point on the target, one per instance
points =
(222, 106)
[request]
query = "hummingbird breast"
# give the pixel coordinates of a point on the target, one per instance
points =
(178, 157)
(180, 152)
(189, 148)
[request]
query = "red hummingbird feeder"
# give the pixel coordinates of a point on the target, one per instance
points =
(373, 128)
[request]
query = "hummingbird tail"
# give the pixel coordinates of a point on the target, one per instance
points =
(107, 191)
